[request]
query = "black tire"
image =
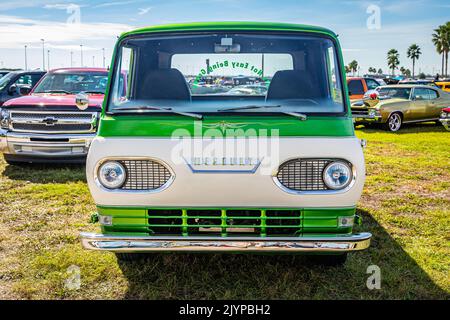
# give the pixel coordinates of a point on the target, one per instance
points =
(394, 122)
(330, 260)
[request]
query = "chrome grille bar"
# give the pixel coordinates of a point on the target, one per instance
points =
(53, 122)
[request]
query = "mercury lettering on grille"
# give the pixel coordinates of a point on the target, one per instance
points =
(145, 175)
(303, 174)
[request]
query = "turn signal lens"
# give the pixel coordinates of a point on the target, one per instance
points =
(112, 175)
(337, 175)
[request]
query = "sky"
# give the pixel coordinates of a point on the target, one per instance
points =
(366, 29)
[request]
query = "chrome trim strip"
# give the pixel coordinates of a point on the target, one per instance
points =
(330, 244)
(119, 190)
(421, 120)
(316, 192)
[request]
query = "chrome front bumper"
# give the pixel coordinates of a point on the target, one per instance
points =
(445, 123)
(45, 145)
(329, 244)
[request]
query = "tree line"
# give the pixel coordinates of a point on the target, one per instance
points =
(441, 41)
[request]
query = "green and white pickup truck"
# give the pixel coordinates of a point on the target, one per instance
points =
(233, 137)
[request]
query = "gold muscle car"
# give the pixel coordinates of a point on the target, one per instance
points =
(395, 105)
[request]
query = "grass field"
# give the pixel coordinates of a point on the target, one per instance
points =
(406, 205)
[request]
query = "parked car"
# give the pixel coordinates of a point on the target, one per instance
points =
(445, 118)
(46, 124)
(443, 85)
(3, 73)
(395, 105)
(358, 86)
(11, 83)
(248, 90)
(160, 185)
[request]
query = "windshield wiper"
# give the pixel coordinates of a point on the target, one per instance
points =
(55, 91)
(94, 92)
(300, 116)
(248, 107)
(152, 108)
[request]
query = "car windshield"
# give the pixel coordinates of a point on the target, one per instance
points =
(72, 83)
(228, 72)
(400, 93)
(5, 80)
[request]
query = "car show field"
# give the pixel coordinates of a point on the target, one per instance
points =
(405, 205)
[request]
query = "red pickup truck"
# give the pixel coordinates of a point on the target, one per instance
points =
(45, 124)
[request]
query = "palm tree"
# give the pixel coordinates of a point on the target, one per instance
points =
(393, 60)
(447, 46)
(414, 54)
(441, 41)
(347, 69)
(353, 66)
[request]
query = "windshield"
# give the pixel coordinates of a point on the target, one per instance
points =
(5, 80)
(221, 72)
(72, 83)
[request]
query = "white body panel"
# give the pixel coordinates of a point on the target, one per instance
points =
(244, 189)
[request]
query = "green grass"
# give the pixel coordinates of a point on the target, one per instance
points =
(405, 205)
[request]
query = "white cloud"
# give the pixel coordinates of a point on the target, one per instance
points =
(18, 31)
(143, 11)
(117, 3)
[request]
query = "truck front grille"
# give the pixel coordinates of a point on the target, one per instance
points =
(145, 175)
(53, 122)
(303, 174)
(284, 222)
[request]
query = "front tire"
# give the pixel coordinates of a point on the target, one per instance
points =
(394, 122)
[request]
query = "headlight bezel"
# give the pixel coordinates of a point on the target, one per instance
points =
(445, 115)
(350, 175)
(121, 178)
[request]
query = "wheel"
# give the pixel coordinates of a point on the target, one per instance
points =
(394, 122)
(330, 260)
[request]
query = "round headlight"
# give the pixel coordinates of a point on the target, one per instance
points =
(337, 175)
(444, 114)
(112, 175)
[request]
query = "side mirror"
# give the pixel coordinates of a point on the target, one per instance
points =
(25, 90)
(82, 101)
(12, 89)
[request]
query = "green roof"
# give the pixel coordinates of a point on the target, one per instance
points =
(230, 25)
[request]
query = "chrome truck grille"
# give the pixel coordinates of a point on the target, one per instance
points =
(53, 122)
(303, 174)
(145, 175)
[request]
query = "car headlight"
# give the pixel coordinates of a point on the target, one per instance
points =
(111, 175)
(444, 114)
(337, 175)
(4, 118)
